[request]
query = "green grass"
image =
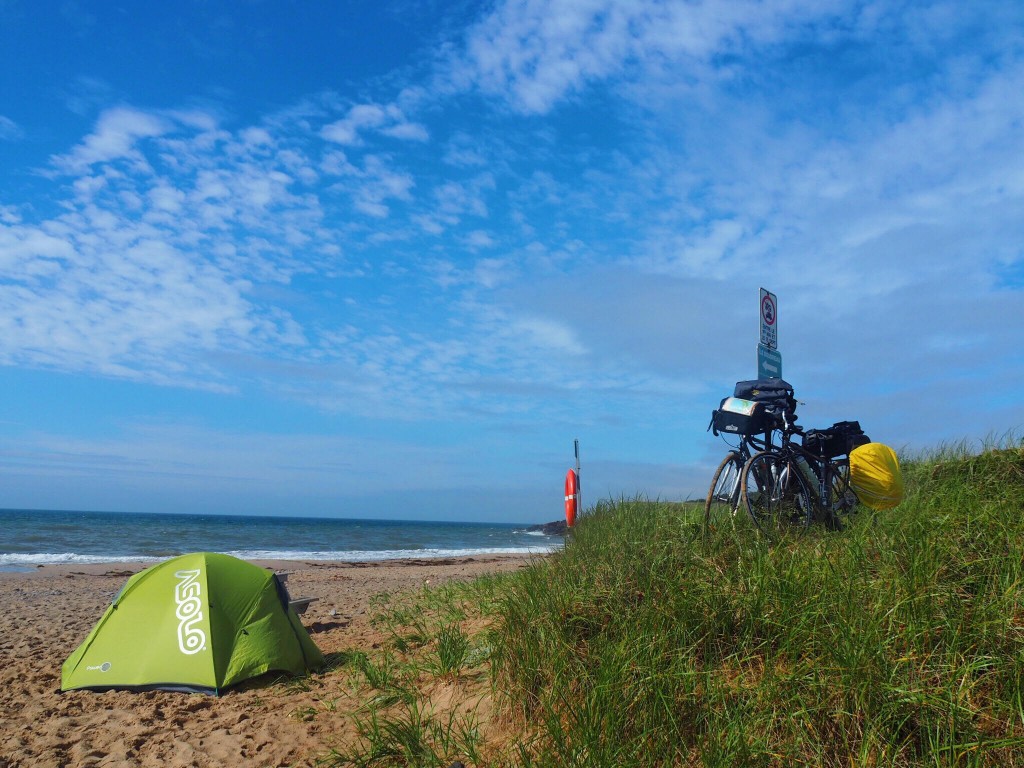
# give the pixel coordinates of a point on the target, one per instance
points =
(398, 723)
(898, 641)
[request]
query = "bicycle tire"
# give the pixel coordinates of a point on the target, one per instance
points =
(775, 495)
(844, 500)
(723, 497)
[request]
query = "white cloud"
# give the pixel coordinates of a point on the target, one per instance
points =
(150, 272)
(362, 118)
(465, 151)
(114, 138)
(336, 163)
(9, 130)
(256, 138)
(548, 334)
(166, 198)
(536, 52)
(428, 224)
(378, 184)
(479, 239)
(82, 302)
(407, 132)
(455, 200)
(22, 246)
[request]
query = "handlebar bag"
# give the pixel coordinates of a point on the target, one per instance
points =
(740, 417)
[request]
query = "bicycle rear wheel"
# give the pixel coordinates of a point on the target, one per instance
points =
(844, 500)
(724, 494)
(775, 496)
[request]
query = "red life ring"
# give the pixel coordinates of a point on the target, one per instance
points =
(571, 497)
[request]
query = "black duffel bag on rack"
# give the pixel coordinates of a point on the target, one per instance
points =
(776, 394)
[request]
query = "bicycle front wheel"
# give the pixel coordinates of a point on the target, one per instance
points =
(724, 494)
(775, 496)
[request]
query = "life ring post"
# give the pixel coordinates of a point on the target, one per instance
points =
(572, 490)
(571, 497)
(579, 495)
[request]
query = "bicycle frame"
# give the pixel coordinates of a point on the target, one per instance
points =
(823, 468)
(776, 493)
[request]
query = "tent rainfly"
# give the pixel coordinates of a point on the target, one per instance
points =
(199, 622)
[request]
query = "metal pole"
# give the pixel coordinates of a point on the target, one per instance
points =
(579, 493)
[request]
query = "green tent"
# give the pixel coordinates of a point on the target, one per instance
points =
(199, 622)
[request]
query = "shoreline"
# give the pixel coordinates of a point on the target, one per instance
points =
(47, 612)
(276, 565)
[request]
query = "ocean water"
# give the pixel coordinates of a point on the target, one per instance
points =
(31, 537)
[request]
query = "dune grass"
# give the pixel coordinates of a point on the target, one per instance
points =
(421, 689)
(898, 641)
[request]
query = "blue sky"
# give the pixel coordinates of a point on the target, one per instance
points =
(389, 259)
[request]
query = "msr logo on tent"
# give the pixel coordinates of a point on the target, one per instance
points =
(191, 639)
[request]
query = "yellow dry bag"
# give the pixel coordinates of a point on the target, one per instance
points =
(875, 476)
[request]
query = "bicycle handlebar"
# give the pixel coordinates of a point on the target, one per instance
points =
(789, 423)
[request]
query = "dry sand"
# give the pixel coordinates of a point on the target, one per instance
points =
(45, 614)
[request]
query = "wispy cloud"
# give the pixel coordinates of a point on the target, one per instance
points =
(9, 130)
(386, 120)
(146, 272)
(115, 137)
(537, 53)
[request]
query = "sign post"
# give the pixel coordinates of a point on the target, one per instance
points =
(769, 359)
(579, 492)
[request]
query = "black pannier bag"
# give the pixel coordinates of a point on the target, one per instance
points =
(776, 394)
(737, 416)
(838, 440)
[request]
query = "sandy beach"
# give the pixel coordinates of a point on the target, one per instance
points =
(46, 613)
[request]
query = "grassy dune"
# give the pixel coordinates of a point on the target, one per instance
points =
(896, 642)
